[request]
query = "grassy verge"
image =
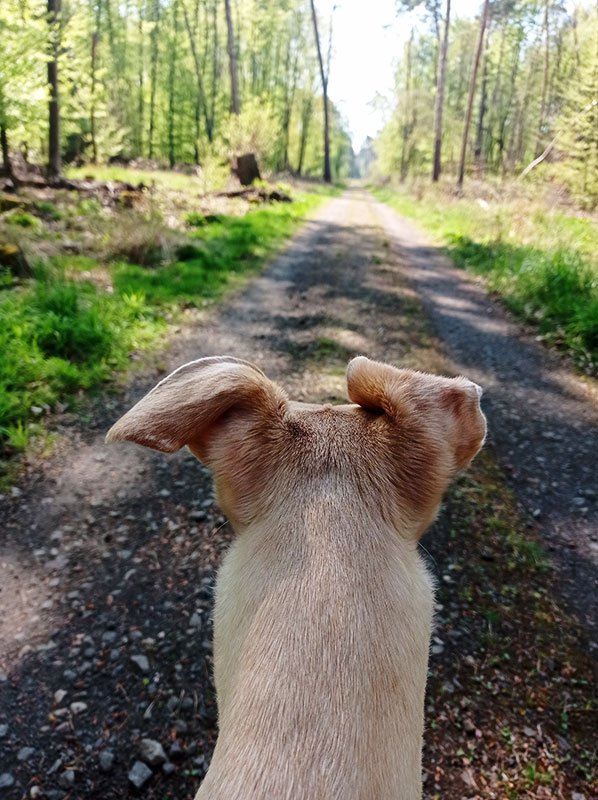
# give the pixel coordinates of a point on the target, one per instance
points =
(80, 319)
(542, 262)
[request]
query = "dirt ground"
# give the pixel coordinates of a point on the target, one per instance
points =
(108, 554)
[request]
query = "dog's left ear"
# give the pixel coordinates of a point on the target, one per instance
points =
(447, 408)
(187, 406)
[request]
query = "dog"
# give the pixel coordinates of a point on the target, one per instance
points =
(323, 609)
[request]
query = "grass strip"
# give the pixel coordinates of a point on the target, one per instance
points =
(542, 263)
(62, 335)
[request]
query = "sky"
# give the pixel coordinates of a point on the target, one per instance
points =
(368, 37)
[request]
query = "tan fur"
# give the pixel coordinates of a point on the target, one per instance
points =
(323, 606)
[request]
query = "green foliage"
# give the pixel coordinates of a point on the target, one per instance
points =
(58, 337)
(535, 85)
(151, 80)
(255, 130)
(579, 120)
(553, 286)
(22, 218)
(61, 335)
(220, 253)
(195, 219)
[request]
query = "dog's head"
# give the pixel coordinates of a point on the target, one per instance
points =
(394, 450)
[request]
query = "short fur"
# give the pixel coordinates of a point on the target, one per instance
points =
(323, 608)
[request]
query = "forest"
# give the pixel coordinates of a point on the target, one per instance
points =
(498, 95)
(292, 184)
(175, 82)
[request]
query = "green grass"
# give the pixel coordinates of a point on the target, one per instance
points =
(62, 335)
(217, 254)
(543, 263)
(58, 337)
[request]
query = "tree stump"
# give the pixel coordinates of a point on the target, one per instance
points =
(14, 260)
(246, 169)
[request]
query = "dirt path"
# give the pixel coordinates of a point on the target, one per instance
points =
(107, 555)
(543, 419)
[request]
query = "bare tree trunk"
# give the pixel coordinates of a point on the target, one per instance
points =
(545, 74)
(171, 77)
(407, 125)
(95, 38)
(306, 112)
(471, 95)
(288, 110)
(439, 102)
(153, 75)
(324, 77)
(215, 62)
(479, 137)
(201, 94)
(140, 98)
(54, 161)
(235, 102)
(8, 168)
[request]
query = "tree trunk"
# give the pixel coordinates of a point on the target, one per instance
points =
(471, 95)
(54, 162)
(171, 77)
(407, 125)
(479, 137)
(201, 94)
(439, 102)
(153, 75)
(95, 38)
(324, 77)
(8, 168)
(306, 112)
(545, 74)
(235, 102)
(140, 79)
(288, 110)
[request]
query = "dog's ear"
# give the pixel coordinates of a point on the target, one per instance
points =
(448, 408)
(185, 407)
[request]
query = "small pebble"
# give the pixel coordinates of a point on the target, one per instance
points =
(152, 752)
(139, 774)
(106, 760)
(67, 779)
(6, 780)
(141, 662)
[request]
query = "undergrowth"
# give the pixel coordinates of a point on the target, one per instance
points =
(79, 320)
(540, 261)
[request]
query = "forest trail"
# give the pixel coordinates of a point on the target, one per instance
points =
(109, 553)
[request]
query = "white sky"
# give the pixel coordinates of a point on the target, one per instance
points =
(368, 38)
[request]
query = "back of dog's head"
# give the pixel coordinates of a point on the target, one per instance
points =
(393, 450)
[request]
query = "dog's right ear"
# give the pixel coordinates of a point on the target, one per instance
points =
(185, 408)
(447, 408)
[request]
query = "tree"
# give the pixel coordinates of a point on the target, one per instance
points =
(472, 87)
(324, 78)
(232, 61)
(439, 100)
(54, 158)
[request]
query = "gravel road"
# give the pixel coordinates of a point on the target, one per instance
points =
(543, 418)
(107, 554)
